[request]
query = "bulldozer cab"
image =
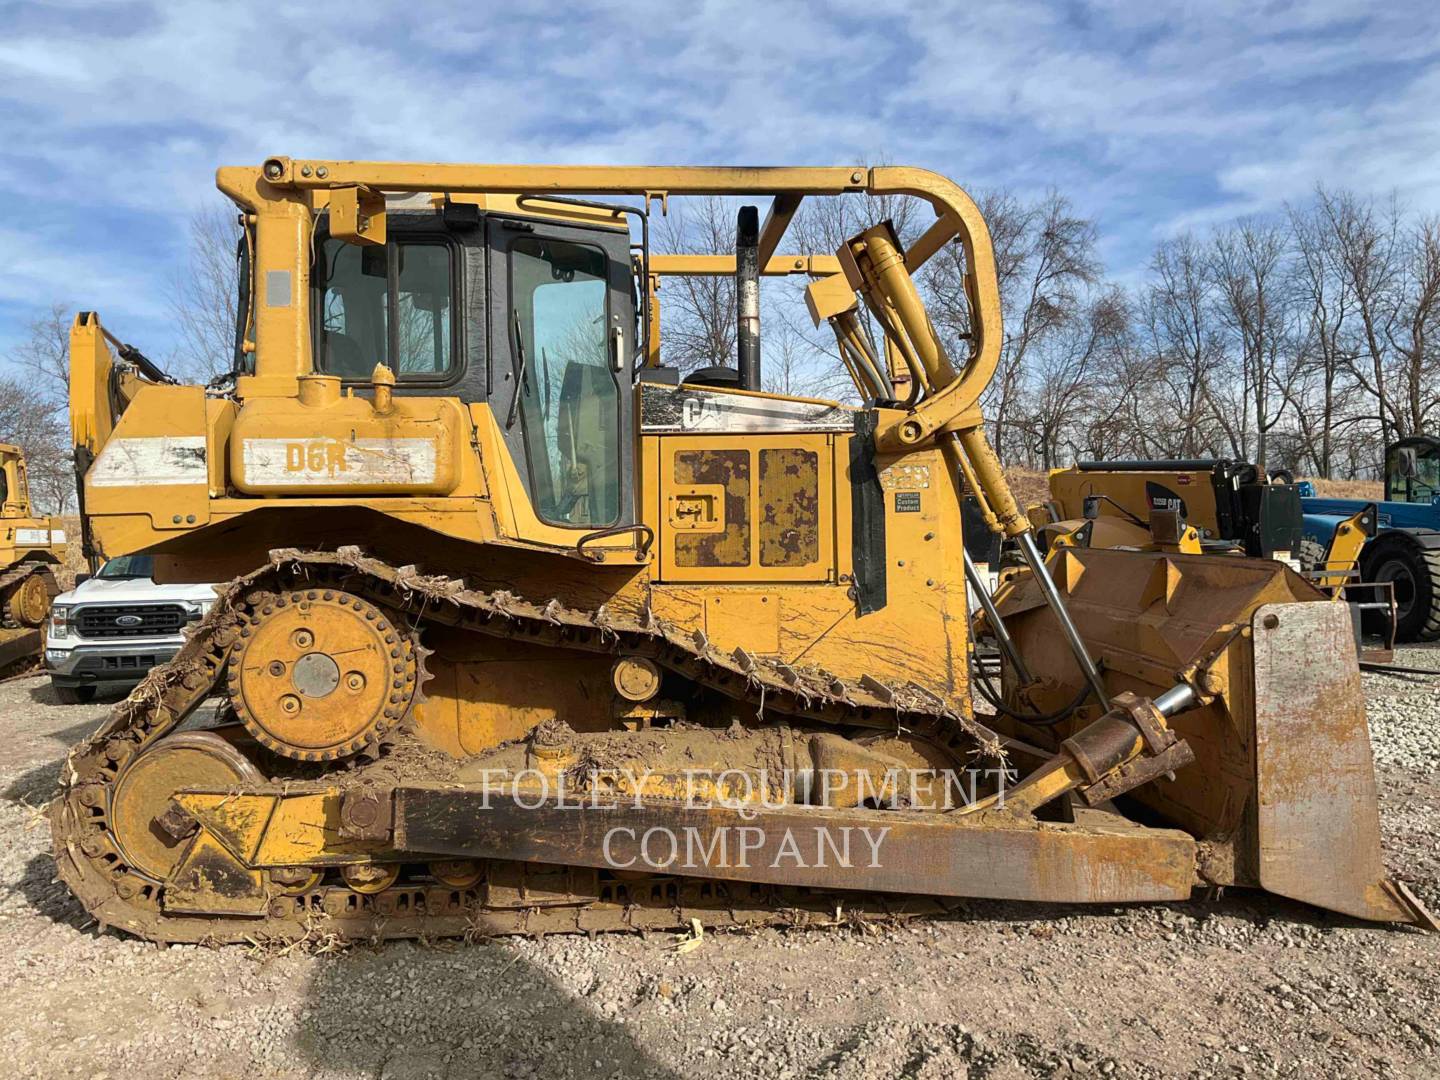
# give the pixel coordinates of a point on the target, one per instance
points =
(476, 351)
(533, 320)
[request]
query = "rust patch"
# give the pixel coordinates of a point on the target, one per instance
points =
(789, 507)
(731, 470)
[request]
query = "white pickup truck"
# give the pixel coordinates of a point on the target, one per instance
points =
(114, 627)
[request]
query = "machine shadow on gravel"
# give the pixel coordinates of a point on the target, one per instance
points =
(399, 1010)
(42, 693)
(38, 783)
(51, 899)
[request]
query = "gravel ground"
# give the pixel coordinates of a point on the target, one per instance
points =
(1246, 984)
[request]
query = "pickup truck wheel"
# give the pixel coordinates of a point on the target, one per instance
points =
(1414, 574)
(74, 695)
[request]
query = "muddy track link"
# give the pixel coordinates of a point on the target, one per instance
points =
(91, 863)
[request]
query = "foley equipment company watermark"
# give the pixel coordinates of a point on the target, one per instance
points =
(740, 819)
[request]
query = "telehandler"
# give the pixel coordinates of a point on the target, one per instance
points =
(527, 633)
(31, 548)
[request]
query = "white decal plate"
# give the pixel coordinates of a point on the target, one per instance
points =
(910, 476)
(687, 409)
(39, 537)
(316, 462)
(161, 459)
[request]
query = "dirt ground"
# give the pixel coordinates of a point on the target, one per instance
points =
(1243, 985)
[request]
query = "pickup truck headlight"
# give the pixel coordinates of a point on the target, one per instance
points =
(195, 610)
(60, 620)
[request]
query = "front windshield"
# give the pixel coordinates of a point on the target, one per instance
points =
(128, 566)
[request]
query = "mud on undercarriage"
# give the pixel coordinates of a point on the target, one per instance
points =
(178, 834)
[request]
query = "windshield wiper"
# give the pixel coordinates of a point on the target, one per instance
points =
(520, 374)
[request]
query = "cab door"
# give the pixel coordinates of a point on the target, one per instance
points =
(562, 324)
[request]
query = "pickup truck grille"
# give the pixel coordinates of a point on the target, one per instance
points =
(129, 620)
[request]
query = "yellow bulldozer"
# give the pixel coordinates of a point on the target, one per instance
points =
(31, 548)
(525, 632)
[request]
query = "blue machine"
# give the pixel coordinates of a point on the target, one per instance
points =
(1406, 548)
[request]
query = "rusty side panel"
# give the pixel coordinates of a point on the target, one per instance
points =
(731, 470)
(789, 507)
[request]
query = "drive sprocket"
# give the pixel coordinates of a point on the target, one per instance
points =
(320, 674)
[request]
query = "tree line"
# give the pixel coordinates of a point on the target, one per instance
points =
(1303, 340)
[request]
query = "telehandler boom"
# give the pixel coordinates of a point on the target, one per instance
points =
(525, 632)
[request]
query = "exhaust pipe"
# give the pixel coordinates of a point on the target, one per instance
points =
(747, 296)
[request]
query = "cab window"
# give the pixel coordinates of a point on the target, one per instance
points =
(1414, 474)
(569, 403)
(128, 566)
(390, 304)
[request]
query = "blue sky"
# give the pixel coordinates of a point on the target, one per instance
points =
(1154, 117)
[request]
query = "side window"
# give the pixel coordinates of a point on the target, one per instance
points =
(569, 403)
(354, 310)
(390, 304)
(423, 315)
(1426, 481)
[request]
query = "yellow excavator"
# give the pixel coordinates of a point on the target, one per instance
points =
(31, 548)
(527, 632)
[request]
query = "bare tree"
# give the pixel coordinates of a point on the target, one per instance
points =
(1045, 261)
(1417, 352)
(698, 313)
(1061, 385)
(1183, 343)
(1316, 387)
(1366, 250)
(29, 419)
(204, 294)
(1248, 266)
(45, 353)
(792, 366)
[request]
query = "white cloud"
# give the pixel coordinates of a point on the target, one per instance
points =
(1152, 116)
(44, 266)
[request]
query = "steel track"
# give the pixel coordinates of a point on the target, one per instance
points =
(91, 863)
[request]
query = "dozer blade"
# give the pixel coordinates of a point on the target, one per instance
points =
(1318, 815)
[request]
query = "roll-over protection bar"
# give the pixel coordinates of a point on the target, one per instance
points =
(274, 193)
